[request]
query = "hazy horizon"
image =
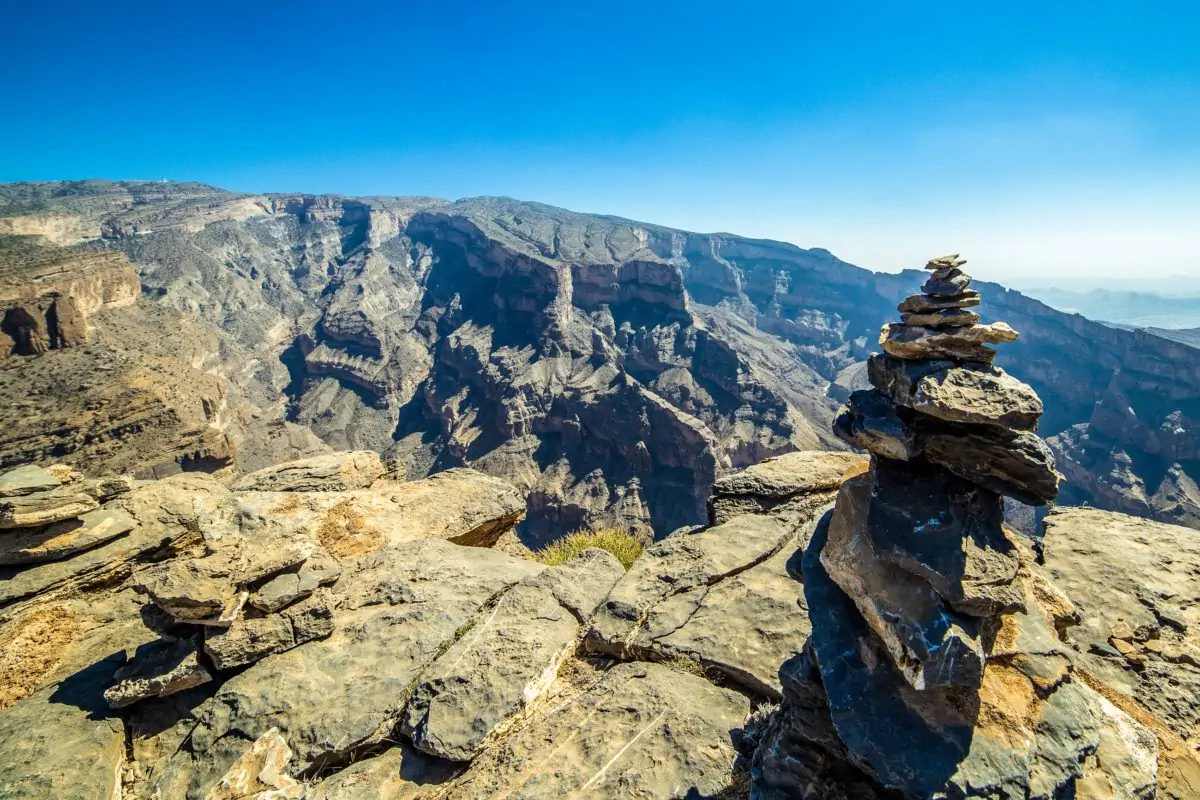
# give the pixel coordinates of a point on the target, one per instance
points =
(1045, 144)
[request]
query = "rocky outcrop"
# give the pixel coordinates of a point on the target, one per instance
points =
(48, 294)
(934, 666)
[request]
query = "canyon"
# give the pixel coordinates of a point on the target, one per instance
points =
(612, 370)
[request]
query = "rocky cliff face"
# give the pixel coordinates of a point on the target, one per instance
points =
(323, 630)
(613, 370)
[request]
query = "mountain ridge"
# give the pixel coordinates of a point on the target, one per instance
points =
(507, 335)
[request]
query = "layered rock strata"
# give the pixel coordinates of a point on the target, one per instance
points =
(934, 667)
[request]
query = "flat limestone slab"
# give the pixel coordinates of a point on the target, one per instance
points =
(509, 659)
(65, 538)
(642, 731)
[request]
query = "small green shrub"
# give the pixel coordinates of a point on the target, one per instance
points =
(621, 543)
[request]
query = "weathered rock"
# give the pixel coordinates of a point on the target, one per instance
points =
(642, 731)
(1137, 582)
(508, 660)
(679, 564)
(43, 508)
(772, 483)
(204, 589)
(157, 669)
(1020, 466)
(968, 343)
(401, 773)
(946, 531)
(791, 474)
(947, 318)
(104, 489)
(26, 480)
(396, 610)
(296, 583)
(930, 644)
(973, 394)
(248, 640)
(869, 420)
(336, 472)
(460, 505)
(165, 515)
(741, 628)
(924, 304)
(60, 742)
(1007, 739)
(261, 773)
(65, 538)
(947, 282)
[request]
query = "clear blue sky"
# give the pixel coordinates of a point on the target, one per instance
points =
(1039, 138)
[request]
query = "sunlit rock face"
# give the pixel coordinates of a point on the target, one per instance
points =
(611, 369)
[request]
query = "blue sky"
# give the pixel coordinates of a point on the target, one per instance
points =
(1043, 140)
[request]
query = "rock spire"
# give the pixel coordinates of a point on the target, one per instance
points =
(934, 667)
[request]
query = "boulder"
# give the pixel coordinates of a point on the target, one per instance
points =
(869, 420)
(740, 628)
(65, 538)
(507, 661)
(947, 532)
(248, 640)
(336, 472)
(37, 509)
(791, 474)
(641, 731)
(1019, 465)
(968, 343)
(972, 393)
(157, 669)
(27, 480)
(261, 773)
(165, 515)
(777, 481)
(930, 644)
(296, 583)
(399, 773)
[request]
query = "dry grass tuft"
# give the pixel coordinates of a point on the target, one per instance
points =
(621, 543)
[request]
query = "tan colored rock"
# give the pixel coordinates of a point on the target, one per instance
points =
(261, 773)
(968, 343)
(642, 731)
(43, 508)
(336, 472)
(27, 480)
(65, 538)
(793, 473)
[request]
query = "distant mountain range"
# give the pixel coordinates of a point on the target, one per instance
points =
(1130, 308)
(613, 370)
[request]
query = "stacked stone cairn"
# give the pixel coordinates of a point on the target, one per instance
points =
(935, 667)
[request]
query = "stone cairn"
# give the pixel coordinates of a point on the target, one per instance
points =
(934, 667)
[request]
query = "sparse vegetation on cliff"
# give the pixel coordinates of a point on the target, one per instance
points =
(621, 543)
